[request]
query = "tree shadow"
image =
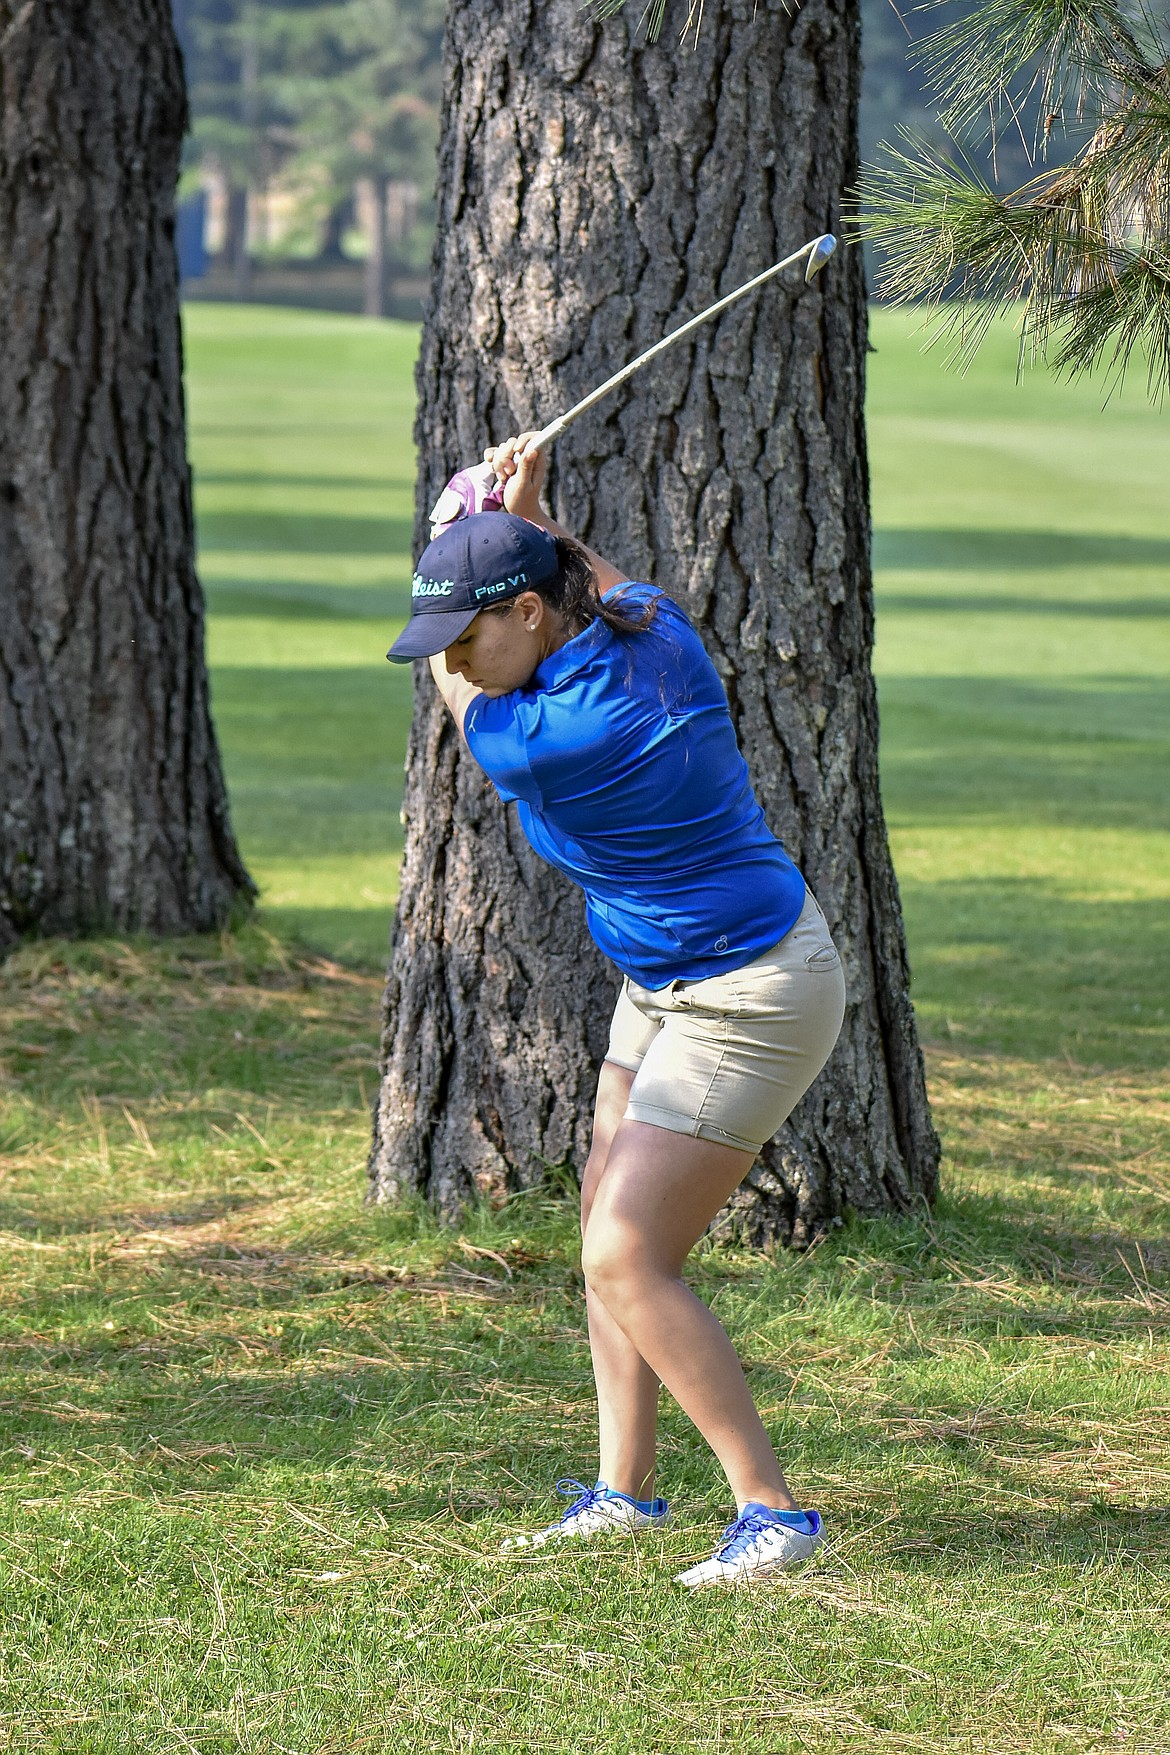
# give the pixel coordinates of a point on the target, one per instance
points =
(175, 1403)
(1076, 1535)
(206, 1210)
(324, 533)
(1008, 713)
(265, 478)
(1004, 603)
(1013, 752)
(1036, 970)
(1046, 909)
(355, 937)
(286, 601)
(1003, 1261)
(191, 1408)
(997, 551)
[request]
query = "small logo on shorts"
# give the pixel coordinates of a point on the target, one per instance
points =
(721, 942)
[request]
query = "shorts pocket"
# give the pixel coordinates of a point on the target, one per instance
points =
(718, 996)
(823, 957)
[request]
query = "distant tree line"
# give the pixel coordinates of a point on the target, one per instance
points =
(331, 107)
(326, 106)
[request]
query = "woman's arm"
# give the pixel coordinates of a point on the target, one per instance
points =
(522, 473)
(457, 692)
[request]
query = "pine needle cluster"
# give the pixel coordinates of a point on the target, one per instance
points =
(654, 16)
(1082, 247)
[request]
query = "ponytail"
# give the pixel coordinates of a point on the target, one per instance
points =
(573, 594)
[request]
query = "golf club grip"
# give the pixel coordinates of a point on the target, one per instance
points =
(555, 428)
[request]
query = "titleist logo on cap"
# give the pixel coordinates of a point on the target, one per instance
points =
(420, 587)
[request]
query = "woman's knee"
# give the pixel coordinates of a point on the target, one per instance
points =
(613, 1265)
(600, 1261)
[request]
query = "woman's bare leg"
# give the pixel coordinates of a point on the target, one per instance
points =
(627, 1389)
(654, 1198)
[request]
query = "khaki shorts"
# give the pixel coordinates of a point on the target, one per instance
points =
(728, 1058)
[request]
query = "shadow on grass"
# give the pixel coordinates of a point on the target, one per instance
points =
(270, 479)
(30, 1221)
(262, 1363)
(1001, 603)
(1029, 967)
(963, 716)
(1034, 911)
(1013, 1272)
(1082, 1535)
(318, 533)
(289, 601)
(196, 1031)
(249, 1350)
(1013, 550)
(290, 722)
(357, 938)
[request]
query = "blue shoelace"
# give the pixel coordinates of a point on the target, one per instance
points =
(739, 1536)
(586, 1497)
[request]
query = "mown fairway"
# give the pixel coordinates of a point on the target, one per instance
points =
(260, 1443)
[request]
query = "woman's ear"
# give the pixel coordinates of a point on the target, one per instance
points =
(532, 610)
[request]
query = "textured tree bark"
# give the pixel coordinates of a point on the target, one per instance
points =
(592, 194)
(112, 807)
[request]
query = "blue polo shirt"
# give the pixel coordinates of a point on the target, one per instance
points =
(621, 757)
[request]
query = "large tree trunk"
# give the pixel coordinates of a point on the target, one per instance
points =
(592, 194)
(112, 806)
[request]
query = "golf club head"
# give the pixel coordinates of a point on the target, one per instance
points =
(819, 255)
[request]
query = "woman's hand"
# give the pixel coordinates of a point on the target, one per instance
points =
(521, 472)
(520, 468)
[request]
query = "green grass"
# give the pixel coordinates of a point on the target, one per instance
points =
(300, 439)
(1023, 571)
(260, 1442)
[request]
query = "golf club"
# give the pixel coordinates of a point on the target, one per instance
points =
(818, 251)
(476, 489)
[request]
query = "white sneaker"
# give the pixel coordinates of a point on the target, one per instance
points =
(754, 1545)
(595, 1511)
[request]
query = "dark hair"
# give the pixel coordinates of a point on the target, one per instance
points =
(573, 594)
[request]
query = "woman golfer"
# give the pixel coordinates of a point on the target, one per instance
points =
(591, 703)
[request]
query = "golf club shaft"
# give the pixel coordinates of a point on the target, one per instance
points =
(555, 428)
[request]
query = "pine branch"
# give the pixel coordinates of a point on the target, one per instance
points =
(1082, 250)
(653, 16)
(651, 20)
(1117, 318)
(1092, 285)
(1059, 55)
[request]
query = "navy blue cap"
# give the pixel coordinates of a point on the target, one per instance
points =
(477, 561)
